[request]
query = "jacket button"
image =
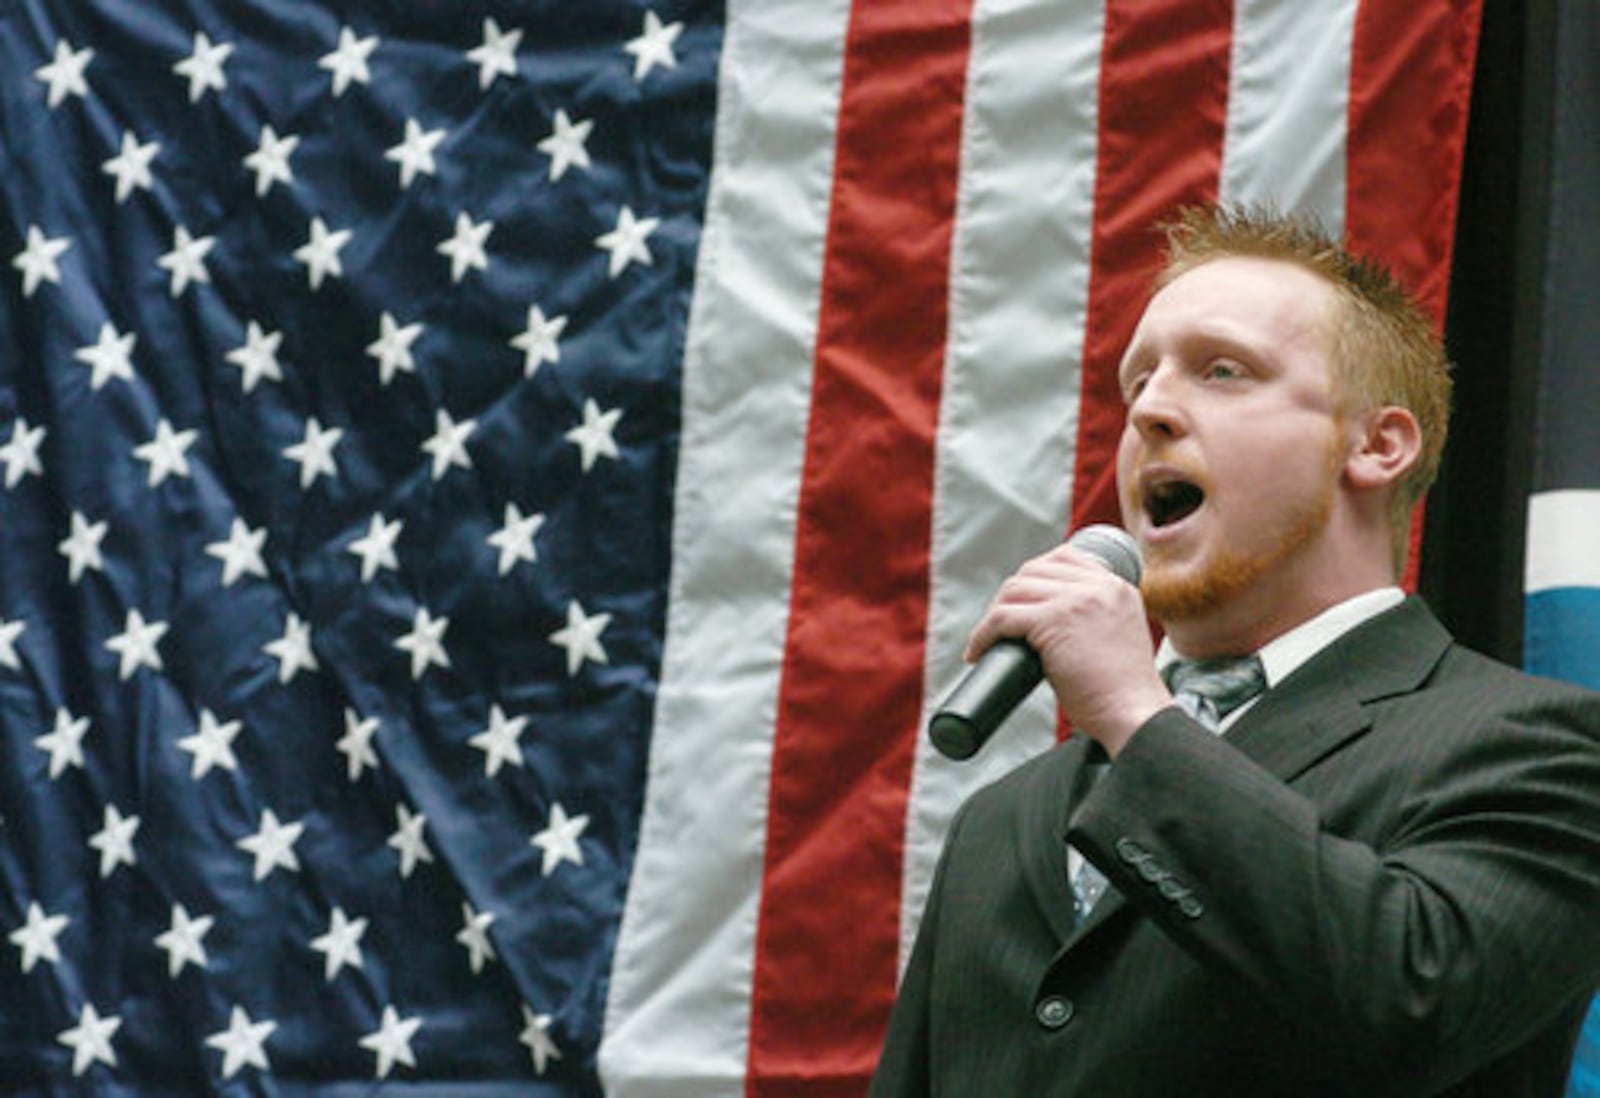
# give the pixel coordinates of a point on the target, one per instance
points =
(1054, 1011)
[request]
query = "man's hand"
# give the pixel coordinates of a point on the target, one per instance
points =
(1089, 628)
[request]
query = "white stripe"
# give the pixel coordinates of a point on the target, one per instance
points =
(1009, 410)
(677, 1016)
(1288, 101)
(1563, 533)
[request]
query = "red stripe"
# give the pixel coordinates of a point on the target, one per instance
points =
(1163, 110)
(850, 699)
(1410, 86)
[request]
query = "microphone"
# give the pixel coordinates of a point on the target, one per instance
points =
(1009, 670)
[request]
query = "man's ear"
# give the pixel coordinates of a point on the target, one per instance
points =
(1389, 445)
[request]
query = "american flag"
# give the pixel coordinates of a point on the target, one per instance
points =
(490, 491)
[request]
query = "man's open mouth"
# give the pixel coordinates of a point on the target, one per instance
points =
(1172, 501)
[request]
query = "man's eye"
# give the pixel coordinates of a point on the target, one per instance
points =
(1223, 371)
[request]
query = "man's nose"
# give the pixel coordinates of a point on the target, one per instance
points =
(1157, 408)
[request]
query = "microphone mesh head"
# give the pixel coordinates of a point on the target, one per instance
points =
(1111, 546)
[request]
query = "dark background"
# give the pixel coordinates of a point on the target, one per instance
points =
(1472, 556)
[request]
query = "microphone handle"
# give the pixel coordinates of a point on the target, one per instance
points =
(994, 686)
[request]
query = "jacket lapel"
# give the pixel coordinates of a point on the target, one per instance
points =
(1323, 704)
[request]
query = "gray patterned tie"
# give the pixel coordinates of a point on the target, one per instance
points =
(1088, 885)
(1208, 690)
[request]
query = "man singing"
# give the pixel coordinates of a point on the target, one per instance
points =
(1310, 846)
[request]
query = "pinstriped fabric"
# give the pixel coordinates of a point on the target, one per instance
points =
(1395, 855)
(1207, 690)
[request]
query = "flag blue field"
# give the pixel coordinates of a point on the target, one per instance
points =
(338, 396)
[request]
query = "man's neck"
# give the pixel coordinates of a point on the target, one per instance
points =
(1247, 626)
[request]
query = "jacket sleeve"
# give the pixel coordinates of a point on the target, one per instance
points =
(1422, 950)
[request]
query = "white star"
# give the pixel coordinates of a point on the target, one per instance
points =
(537, 341)
(186, 261)
(21, 452)
(184, 941)
(536, 1035)
(392, 348)
(257, 357)
(37, 939)
(559, 839)
(90, 1039)
(408, 840)
(474, 936)
(136, 644)
(65, 73)
(465, 248)
(653, 46)
(270, 161)
(131, 166)
(376, 549)
(498, 742)
(515, 538)
(110, 356)
(293, 649)
(498, 54)
(37, 261)
(64, 742)
(320, 253)
(211, 745)
(594, 436)
(449, 443)
(203, 67)
(565, 145)
(341, 945)
(314, 453)
(167, 453)
(82, 547)
(240, 554)
(392, 1041)
(348, 63)
(273, 845)
(114, 840)
(356, 743)
(241, 1043)
(9, 632)
(415, 153)
(581, 637)
(425, 642)
(626, 242)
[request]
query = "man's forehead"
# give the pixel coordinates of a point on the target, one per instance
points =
(1236, 295)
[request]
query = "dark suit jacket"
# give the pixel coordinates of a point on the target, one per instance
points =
(1384, 880)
